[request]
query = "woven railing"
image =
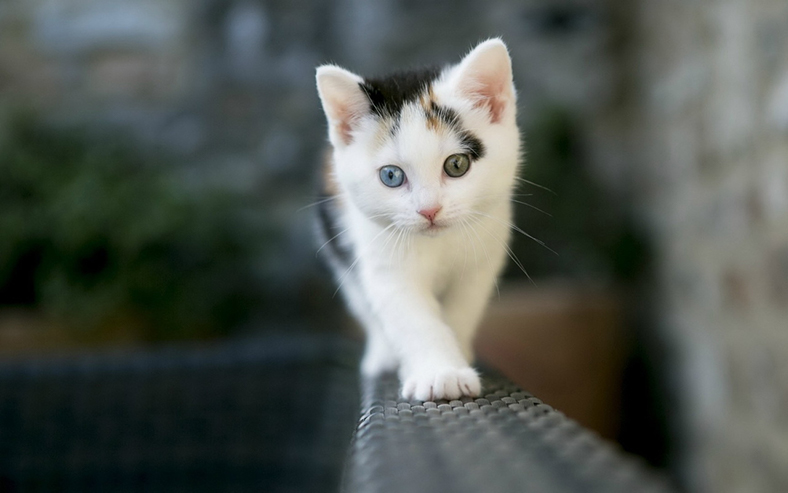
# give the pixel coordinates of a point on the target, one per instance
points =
(504, 442)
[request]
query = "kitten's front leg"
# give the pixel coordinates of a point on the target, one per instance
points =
(378, 356)
(465, 303)
(432, 364)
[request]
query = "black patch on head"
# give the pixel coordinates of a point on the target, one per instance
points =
(451, 119)
(448, 116)
(387, 95)
(473, 144)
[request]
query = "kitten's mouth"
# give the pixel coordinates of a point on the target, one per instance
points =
(433, 229)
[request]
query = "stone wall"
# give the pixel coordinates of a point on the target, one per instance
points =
(702, 156)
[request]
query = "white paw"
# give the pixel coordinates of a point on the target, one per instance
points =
(441, 383)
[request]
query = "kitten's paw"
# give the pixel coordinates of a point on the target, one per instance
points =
(442, 383)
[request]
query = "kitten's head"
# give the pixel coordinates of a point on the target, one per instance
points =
(425, 150)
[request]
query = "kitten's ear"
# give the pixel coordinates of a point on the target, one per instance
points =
(343, 100)
(485, 77)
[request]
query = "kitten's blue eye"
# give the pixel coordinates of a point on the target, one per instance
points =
(457, 165)
(392, 176)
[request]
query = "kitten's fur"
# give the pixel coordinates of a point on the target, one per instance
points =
(420, 289)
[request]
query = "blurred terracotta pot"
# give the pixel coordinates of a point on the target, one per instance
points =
(28, 333)
(564, 343)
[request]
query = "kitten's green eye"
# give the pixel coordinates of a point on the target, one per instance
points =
(456, 165)
(392, 176)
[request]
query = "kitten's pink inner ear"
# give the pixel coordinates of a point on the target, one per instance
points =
(343, 125)
(344, 103)
(486, 78)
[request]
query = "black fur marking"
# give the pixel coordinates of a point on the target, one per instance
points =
(387, 95)
(448, 116)
(327, 229)
(472, 144)
(451, 119)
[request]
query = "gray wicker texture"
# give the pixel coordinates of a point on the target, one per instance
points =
(506, 441)
(273, 415)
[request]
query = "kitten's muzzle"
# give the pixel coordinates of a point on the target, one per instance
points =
(430, 213)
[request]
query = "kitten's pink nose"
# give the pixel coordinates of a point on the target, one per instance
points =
(430, 213)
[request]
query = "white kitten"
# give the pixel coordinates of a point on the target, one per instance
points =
(416, 219)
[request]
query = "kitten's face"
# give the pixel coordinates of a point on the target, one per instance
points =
(425, 151)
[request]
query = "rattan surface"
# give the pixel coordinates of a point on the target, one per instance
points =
(273, 415)
(506, 441)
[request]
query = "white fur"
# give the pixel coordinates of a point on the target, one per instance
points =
(419, 293)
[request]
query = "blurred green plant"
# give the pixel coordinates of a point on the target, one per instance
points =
(95, 236)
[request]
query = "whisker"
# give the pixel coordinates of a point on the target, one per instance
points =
(341, 233)
(523, 180)
(509, 252)
(532, 207)
(313, 204)
(465, 251)
(471, 222)
(406, 238)
(331, 239)
(363, 251)
(470, 240)
(498, 195)
(396, 245)
(481, 242)
(516, 228)
(473, 244)
(393, 248)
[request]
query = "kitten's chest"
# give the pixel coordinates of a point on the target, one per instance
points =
(432, 260)
(438, 262)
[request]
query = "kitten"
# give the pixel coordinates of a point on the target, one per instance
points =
(416, 217)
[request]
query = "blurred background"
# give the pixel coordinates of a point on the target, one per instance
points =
(157, 161)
